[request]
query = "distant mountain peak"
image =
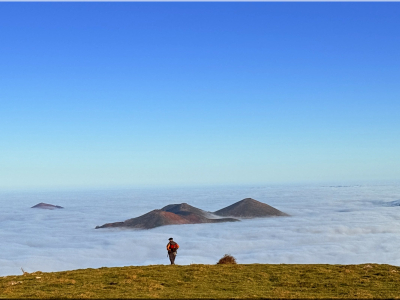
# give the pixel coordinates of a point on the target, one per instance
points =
(184, 209)
(184, 213)
(178, 207)
(172, 214)
(46, 206)
(249, 208)
(249, 200)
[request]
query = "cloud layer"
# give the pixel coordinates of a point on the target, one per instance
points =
(335, 225)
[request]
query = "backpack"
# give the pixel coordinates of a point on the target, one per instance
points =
(173, 246)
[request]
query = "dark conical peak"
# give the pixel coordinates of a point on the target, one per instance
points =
(183, 209)
(178, 207)
(249, 208)
(248, 200)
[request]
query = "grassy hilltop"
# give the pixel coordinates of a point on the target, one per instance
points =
(210, 281)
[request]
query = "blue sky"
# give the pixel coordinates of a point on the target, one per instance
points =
(138, 94)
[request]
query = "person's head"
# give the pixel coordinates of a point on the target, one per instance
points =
(170, 239)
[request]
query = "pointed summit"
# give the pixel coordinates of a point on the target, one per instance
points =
(185, 209)
(249, 208)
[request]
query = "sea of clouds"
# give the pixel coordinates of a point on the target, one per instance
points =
(328, 224)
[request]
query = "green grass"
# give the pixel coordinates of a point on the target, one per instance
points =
(210, 281)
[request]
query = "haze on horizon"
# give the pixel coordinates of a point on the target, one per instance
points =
(121, 94)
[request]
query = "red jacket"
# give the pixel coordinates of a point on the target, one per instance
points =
(172, 246)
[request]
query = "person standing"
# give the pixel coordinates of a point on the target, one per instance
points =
(172, 248)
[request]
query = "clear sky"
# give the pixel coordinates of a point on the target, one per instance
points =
(132, 94)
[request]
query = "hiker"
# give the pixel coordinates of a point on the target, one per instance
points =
(172, 248)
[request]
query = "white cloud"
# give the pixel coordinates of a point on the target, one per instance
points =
(347, 225)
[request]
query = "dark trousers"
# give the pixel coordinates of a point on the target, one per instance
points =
(172, 256)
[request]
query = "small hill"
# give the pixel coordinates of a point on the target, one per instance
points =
(46, 206)
(172, 214)
(250, 208)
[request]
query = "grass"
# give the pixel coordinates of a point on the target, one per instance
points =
(223, 281)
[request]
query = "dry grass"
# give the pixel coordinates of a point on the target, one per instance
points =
(227, 260)
(220, 281)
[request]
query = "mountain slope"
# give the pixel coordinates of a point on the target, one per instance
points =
(249, 208)
(172, 214)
